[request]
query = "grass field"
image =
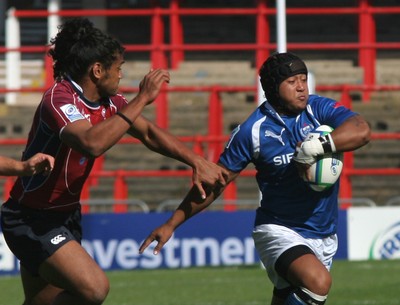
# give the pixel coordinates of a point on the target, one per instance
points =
(354, 283)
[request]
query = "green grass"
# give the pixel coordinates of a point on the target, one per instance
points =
(354, 283)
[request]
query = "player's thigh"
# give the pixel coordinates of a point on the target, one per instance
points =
(308, 271)
(74, 270)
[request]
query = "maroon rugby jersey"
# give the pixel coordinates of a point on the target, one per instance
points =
(62, 104)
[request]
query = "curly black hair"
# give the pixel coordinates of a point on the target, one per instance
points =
(78, 45)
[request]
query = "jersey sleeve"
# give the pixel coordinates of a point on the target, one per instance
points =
(330, 112)
(238, 152)
(119, 101)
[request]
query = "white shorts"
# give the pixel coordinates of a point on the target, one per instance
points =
(272, 240)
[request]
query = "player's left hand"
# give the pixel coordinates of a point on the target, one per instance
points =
(304, 170)
(39, 163)
(152, 83)
(209, 174)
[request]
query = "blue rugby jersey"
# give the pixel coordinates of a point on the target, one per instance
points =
(268, 140)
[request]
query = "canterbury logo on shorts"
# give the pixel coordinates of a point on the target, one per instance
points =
(57, 239)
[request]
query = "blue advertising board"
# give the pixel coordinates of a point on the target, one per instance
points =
(210, 238)
(342, 228)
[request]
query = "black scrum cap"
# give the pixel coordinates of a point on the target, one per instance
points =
(277, 68)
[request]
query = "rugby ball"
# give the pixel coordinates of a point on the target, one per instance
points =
(326, 171)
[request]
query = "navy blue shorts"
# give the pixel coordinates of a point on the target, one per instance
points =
(34, 235)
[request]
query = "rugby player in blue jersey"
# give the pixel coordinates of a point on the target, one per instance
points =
(295, 226)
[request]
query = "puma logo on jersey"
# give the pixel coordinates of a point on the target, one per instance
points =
(57, 239)
(269, 133)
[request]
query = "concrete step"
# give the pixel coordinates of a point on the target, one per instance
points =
(382, 112)
(150, 190)
(335, 72)
(379, 188)
(226, 66)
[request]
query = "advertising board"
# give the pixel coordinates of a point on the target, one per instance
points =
(374, 233)
(210, 238)
(113, 240)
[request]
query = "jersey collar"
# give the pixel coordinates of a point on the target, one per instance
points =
(78, 89)
(269, 109)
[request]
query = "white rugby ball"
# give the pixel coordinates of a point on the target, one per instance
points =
(326, 171)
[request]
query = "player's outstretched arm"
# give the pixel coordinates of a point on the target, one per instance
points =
(191, 205)
(161, 141)
(39, 163)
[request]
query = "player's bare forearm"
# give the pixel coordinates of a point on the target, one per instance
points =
(10, 167)
(352, 134)
(159, 140)
(191, 205)
(94, 140)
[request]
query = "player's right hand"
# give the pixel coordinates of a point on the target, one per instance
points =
(39, 163)
(303, 153)
(161, 234)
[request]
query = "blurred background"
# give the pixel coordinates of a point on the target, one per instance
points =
(213, 49)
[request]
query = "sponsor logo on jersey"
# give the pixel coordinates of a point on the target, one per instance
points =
(269, 133)
(305, 130)
(71, 112)
(283, 159)
(57, 239)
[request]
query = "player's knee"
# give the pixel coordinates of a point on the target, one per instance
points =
(320, 283)
(303, 296)
(96, 293)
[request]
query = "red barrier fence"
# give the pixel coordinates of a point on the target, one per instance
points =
(120, 177)
(159, 49)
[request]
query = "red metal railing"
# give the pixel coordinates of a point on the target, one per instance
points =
(120, 177)
(367, 44)
(216, 142)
